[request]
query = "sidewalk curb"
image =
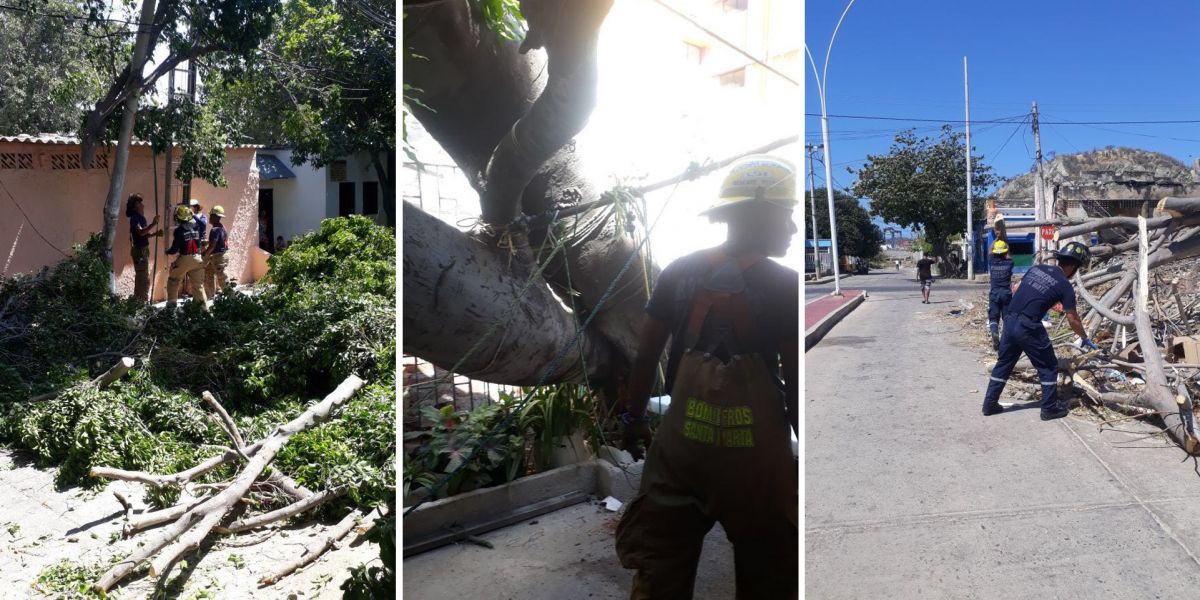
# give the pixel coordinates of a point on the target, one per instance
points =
(818, 331)
(826, 279)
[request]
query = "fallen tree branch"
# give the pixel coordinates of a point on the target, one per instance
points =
(314, 550)
(105, 379)
(226, 422)
(290, 510)
(193, 526)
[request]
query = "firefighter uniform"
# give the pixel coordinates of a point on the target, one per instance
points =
(722, 453)
(185, 242)
(1000, 295)
(214, 261)
(1042, 287)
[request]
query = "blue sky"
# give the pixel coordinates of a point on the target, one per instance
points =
(1100, 60)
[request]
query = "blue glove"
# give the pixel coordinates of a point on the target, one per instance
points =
(1090, 345)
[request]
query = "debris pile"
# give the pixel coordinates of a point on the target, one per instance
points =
(1140, 302)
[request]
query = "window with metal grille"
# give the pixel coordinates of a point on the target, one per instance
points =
(60, 162)
(16, 160)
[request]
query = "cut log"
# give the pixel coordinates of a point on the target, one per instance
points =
(105, 379)
(290, 510)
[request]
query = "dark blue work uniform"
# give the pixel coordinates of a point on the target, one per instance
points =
(201, 225)
(1042, 286)
(1001, 293)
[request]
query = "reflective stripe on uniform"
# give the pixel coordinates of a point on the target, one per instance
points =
(998, 380)
(1054, 383)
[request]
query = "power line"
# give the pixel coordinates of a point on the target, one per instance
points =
(30, 221)
(1009, 120)
(735, 47)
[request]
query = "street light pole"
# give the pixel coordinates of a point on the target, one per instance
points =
(970, 225)
(812, 201)
(822, 81)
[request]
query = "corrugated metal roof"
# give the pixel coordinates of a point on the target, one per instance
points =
(59, 139)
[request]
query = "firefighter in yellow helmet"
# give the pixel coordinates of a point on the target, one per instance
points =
(1000, 269)
(214, 253)
(723, 451)
(185, 242)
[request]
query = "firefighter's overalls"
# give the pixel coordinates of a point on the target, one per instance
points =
(1000, 295)
(189, 265)
(722, 453)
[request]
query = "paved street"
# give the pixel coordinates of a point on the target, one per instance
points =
(912, 493)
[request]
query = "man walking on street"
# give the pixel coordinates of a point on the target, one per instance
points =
(723, 450)
(1042, 286)
(925, 274)
(1000, 295)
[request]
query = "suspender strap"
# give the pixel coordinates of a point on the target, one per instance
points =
(729, 304)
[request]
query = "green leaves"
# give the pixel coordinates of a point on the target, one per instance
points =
(857, 234)
(504, 17)
(922, 182)
(193, 128)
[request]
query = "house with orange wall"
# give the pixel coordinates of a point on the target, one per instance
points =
(49, 203)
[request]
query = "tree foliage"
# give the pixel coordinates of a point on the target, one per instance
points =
(857, 234)
(921, 182)
(323, 83)
(52, 65)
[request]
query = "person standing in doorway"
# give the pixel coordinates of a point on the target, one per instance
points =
(925, 274)
(185, 242)
(1042, 287)
(1000, 274)
(140, 233)
(214, 254)
(723, 450)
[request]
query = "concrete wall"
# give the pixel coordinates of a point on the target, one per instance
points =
(66, 206)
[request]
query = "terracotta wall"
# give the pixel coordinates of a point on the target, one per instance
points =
(66, 206)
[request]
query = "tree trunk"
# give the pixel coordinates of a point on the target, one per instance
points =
(386, 171)
(476, 93)
(456, 289)
(112, 204)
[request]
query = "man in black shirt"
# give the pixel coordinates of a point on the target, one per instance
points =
(723, 450)
(925, 274)
(140, 233)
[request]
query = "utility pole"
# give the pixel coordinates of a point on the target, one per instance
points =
(191, 92)
(970, 226)
(812, 201)
(1039, 202)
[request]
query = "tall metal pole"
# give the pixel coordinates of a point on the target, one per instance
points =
(970, 213)
(812, 201)
(837, 276)
(822, 85)
(1039, 202)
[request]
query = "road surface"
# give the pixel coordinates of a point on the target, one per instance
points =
(911, 493)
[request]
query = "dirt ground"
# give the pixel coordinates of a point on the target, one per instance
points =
(41, 526)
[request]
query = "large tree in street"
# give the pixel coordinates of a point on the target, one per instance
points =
(491, 302)
(922, 182)
(857, 234)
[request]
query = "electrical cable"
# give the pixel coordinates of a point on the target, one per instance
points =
(30, 221)
(735, 47)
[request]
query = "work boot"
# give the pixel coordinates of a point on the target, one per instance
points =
(1056, 413)
(995, 342)
(992, 409)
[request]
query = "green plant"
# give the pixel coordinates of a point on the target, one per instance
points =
(555, 412)
(453, 438)
(377, 582)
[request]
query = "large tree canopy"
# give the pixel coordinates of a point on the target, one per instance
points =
(857, 234)
(52, 66)
(323, 83)
(483, 302)
(922, 182)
